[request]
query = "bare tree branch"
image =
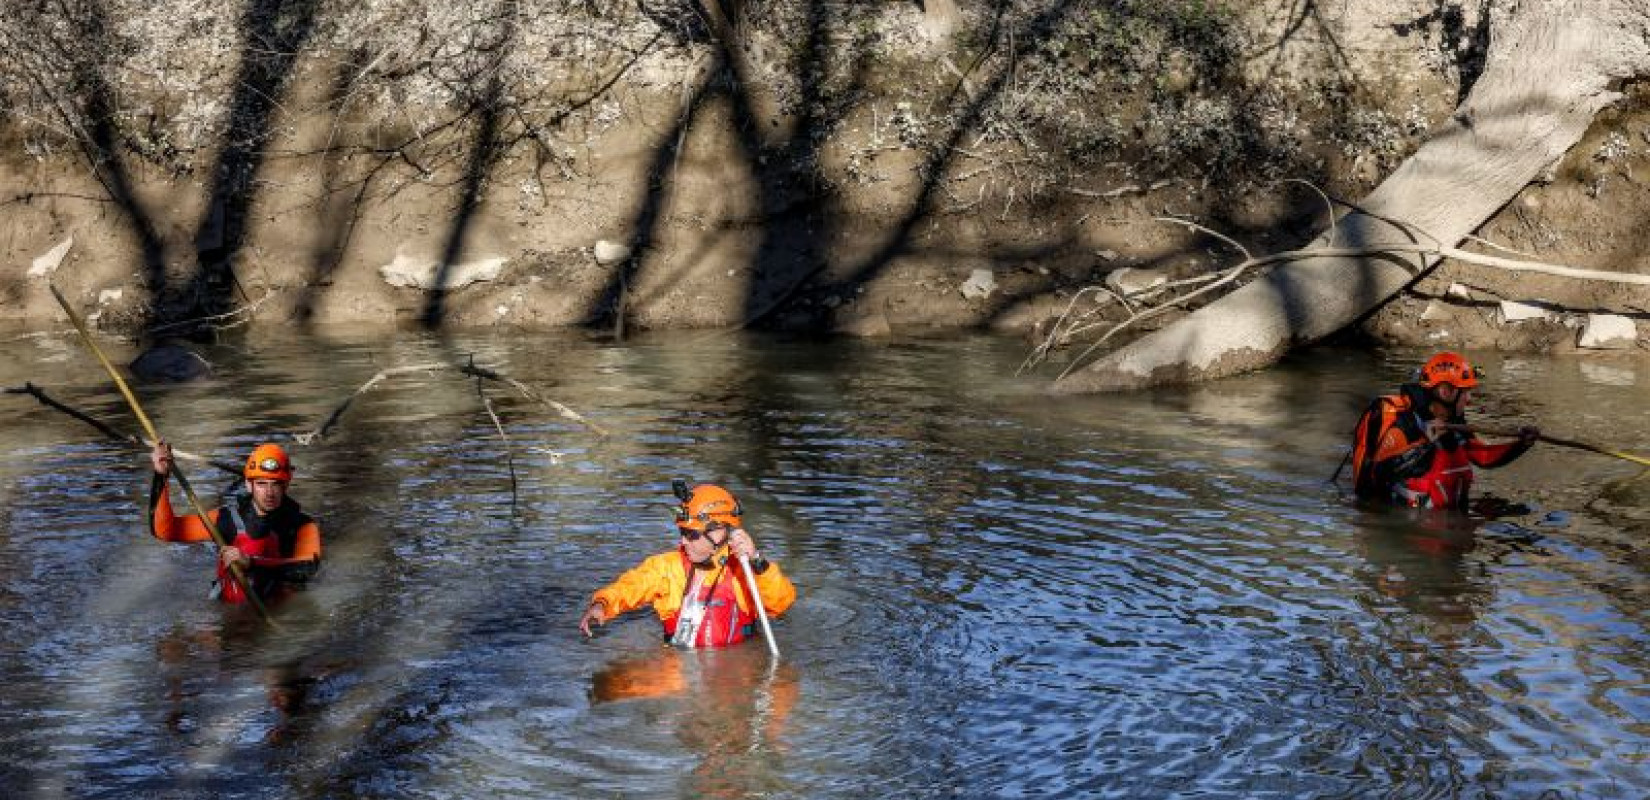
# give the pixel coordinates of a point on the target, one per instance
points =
(132, 441)
(509, 457)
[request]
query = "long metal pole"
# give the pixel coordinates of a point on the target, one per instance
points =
(761, 613)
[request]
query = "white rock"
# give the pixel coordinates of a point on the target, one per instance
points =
(1514, 311)
(1107, 255)
(980, 284)
(610, 253)
(1131, 281)
(108, 296)
(1437, 312)
(422, 273)
(1608, 332)
(48, 263)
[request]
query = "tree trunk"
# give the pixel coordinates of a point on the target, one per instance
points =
(1553, 64)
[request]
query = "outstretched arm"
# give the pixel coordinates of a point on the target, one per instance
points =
(638, 587)
(165, 525)
(1491, 456)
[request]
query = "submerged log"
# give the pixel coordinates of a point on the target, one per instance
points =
(1552, 66)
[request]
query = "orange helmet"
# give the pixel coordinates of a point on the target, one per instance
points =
(1449, 368)
(704, 504)
(268, 461)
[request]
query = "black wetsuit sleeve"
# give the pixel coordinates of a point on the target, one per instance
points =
(300, 572)
(157, 489)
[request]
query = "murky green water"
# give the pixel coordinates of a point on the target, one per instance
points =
(1002, 594)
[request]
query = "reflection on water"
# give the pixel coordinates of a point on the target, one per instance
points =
(1001, 594)
(729, 706)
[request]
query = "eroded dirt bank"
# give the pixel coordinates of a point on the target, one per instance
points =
(793, 166)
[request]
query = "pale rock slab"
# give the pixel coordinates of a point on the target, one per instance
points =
(1608, 332)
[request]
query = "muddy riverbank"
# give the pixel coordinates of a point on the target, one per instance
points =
(846, 173)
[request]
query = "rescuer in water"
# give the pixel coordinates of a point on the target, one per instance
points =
(275, 544)
(1414, 448)
(697, 589)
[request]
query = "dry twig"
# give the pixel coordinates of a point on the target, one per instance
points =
(509, 457)
(563, 410)
(247, 310)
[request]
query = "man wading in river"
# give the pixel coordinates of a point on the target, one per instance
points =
(275, 542)
(695, 588)
(1414, 448)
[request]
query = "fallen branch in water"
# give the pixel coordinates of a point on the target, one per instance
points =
(332, 419)
(509, 457)
(468, 369)
(130, 440)
(563, 410)
(1058, 335)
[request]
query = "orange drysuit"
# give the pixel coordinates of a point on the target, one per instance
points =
(662, 582)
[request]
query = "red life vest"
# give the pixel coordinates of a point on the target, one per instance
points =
(266, 546)
(724, 623)
(1445, 485)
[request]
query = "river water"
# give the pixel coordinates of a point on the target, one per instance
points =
(1002, 594)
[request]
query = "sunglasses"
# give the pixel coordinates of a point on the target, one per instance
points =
(692, 535)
